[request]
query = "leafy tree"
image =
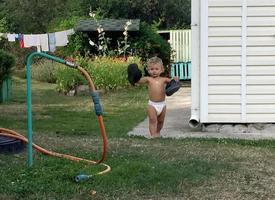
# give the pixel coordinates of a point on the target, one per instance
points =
(29, 16)
(33, 16)
(171, 14)
(149, 44)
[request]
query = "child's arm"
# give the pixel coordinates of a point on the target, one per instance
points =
(172, 86)
(143, 80)
(176, 78)
(168, 80)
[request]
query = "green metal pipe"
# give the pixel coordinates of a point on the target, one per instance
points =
(29, 96)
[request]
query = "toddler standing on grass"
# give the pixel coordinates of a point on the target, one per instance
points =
(156, 86)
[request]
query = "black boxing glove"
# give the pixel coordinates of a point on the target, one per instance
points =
(134, 73)
(172, 87)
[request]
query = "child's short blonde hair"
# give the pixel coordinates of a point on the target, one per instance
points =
(154, 60)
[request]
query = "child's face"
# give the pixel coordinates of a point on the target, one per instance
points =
(155, 70)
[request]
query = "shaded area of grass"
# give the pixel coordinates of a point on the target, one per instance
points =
(56, 113)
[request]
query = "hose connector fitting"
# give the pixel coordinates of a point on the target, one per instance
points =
(81, 178)
(97, 105)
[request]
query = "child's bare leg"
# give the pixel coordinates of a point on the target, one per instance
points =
(161, 120)
(153, 120)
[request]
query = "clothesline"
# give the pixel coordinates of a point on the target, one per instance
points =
(44, 42)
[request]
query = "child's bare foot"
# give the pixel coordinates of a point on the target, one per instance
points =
(148, 136)
(156, 136)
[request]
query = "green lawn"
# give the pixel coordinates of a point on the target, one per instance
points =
(141, 168)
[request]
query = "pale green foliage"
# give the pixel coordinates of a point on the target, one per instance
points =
(3, 25)
(44, 70)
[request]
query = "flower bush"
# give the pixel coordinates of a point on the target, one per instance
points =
(107, 73)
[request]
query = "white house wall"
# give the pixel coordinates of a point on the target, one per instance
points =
(260, 61)
(240, 74)
(224, 61)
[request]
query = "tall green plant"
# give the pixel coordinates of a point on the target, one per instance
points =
(7, 61)
(107, 73)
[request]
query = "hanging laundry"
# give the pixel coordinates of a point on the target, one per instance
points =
(61, 38)
(44, 42)
(52, 42)
(18, 37)
(70, 31)
(31, 40)
(21, 40)
(11, 37)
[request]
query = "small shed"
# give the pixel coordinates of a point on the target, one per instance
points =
(112, 27)
(233, 61)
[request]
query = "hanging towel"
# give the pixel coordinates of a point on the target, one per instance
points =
(17, 37)
(44, 43)
(51, 42)
(11, 37)
(61, 38)
(31, 40)
(70, 31)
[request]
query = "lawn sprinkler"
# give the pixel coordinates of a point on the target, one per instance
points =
(98, 111)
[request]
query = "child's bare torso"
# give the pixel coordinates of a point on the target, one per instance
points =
(157, 88)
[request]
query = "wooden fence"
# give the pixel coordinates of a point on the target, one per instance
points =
(180, 41)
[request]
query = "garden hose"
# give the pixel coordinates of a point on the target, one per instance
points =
(81, 177)
(98, 112)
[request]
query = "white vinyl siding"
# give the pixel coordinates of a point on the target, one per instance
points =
(224, 61)
(241, 74)
(224, 89)
(260, 61)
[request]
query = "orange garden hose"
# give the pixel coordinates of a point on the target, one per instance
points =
(98, 110)
(99, 117)
(12, 134)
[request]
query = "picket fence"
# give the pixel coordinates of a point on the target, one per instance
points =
(180, 41)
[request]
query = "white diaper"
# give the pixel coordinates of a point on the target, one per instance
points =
(158, 106)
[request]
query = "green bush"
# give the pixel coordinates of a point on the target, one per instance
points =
(107, 73)
(149, 43)
(67, 79)
(7, 61)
